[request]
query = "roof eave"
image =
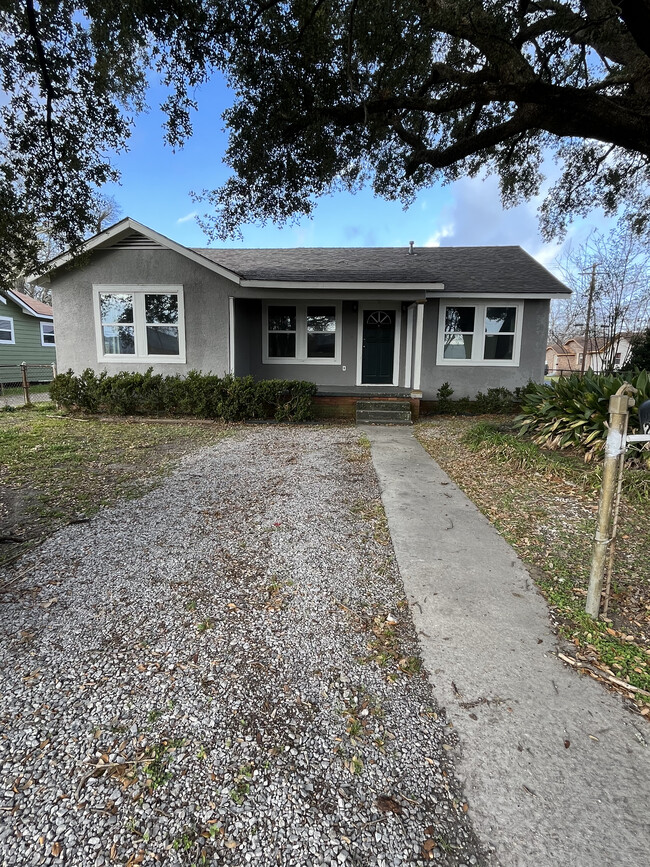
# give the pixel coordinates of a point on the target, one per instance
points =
(342, 285)
(526, 296)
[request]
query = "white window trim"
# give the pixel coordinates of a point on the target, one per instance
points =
(397, 308)
(43, 343)
(478, 343)
(139, 290)
(11, 328)
(301, 332)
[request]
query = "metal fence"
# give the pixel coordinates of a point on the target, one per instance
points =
(22, 384)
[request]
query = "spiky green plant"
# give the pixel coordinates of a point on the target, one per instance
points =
(572, 412)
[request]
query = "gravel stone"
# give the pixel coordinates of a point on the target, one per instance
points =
(227, 673)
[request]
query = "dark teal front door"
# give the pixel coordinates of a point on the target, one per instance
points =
(378, 347)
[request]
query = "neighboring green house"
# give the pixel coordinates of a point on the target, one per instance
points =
(26, 334)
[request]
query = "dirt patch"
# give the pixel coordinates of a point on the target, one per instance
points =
(58, 470)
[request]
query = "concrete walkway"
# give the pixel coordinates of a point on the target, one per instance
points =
(556, 769)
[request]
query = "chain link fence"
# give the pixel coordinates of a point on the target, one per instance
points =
(22, 384)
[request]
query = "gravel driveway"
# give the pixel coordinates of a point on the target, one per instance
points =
(225, 670)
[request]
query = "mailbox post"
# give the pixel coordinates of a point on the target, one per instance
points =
(619, 405)
(644, 417)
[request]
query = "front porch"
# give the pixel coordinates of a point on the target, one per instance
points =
(351, 348)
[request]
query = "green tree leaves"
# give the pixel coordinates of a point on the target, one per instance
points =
(330, 94)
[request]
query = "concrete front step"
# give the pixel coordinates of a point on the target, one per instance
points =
(384, 405)
(383, 421)
(383, 412)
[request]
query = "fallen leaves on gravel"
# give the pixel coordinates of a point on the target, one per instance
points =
(388, 805)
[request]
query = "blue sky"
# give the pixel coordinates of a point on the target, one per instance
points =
(156, 184)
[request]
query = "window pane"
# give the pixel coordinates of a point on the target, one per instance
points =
(459, 319)
(116, 308)
(499, 346)
(162, 340)
(282, 345)
(5, 329)
(48, 333)
(161, 309)
(500, 319)
(282, 319)
(321, 319)
(458, 346)
(119, 340)
(321, 345)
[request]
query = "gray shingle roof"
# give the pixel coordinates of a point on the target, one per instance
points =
(461, 269)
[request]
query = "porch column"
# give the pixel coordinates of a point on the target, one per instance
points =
(231, 335)
(408, 361)
(417, 360)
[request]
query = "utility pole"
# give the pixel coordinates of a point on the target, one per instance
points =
(590, 301)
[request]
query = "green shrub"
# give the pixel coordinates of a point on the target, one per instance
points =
(496, 401)
(444, 393)
(200, 395)
(640, 354)
(572, 411)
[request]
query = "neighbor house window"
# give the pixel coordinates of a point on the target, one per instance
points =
(479, 333)
(302, 333)
(140, 322)
(7, 330)
(47, 334)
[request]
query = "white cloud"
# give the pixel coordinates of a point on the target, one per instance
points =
(475, 216)
(187, 217)
(446, 231)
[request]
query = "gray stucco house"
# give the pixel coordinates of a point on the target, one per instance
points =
(358, 322)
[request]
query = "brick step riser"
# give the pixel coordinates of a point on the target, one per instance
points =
(386, 416)
(384, 405)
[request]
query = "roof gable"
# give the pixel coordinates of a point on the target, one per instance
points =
(29, 305)
(135, 241)
(129, 234)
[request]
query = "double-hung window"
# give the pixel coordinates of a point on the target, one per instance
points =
(7, 330)
(480, 334)
(140, 323)
(301, 333)
(47, 334)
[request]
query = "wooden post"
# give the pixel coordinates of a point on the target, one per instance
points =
(54, 370)
(23, 371)
(619, 405)
(590, 301)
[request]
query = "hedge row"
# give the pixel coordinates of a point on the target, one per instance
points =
(496, 401)
(200, 395)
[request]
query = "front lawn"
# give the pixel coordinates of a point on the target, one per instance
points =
(54, 470)
(544, 504)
